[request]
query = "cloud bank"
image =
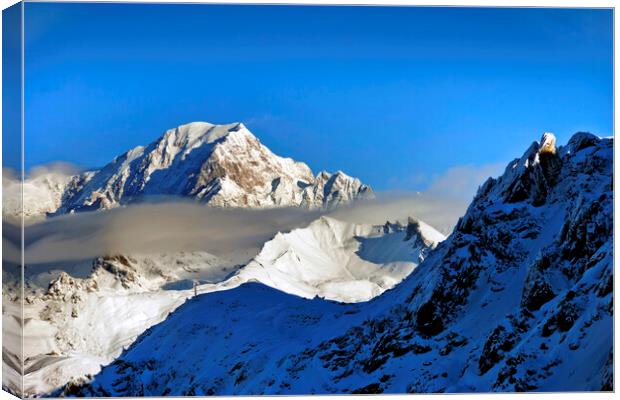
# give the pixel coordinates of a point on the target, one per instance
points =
(187, 226)
(173, 226)
(462, 182)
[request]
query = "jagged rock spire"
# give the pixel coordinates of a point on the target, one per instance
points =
(547, 143)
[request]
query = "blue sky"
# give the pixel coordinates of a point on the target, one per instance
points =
(395, 96)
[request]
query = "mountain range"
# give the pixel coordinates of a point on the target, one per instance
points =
(76, 321)
(518, 298)
(75, 325)
(218, 165)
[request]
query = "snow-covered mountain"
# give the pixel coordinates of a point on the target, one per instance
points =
(518, 298)
(341, 261)
(75, 324)
(220, 165)
(42, 194)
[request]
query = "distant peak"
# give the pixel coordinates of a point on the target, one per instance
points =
(221, 165)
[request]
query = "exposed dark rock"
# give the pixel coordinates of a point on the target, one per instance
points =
(497, 344)
(373, 388)
(563, 320)
(428, 320)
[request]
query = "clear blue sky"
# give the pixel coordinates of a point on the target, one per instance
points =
(394, 96)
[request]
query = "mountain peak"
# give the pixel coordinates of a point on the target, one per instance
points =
(220, 165)
(533, 177)
(547, 143)
(203, 132)
(582, 140)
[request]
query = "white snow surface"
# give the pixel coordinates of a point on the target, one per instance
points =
(339, 261)
(75, 325)
(518, 298)
(220, 165)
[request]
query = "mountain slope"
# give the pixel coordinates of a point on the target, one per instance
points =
(220, 165)
(73, 326)
(518, 298)
(341, 261)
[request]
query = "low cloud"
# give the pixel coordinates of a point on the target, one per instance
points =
(462, 182)
(187, 226)
(57, 168)
(441, 213)
(60, 168)
(445, 199)
(174, 226)
(156, 228)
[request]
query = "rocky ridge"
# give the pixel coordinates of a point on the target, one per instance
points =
(518, 298)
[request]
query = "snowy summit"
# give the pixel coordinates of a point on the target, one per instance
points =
(218, 165)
